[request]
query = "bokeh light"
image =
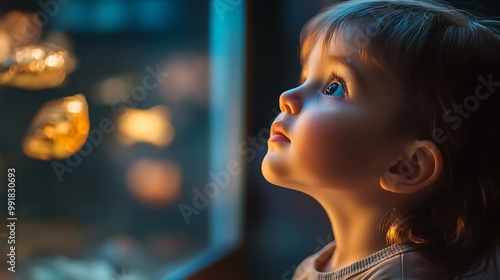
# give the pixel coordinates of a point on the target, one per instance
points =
(59, 129)
(155, 183)
(188, 80)
(150, 126)
(37, 67)
(113, 88)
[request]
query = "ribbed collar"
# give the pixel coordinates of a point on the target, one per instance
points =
(360, 265)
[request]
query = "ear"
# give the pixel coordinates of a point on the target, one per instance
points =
(418, 169)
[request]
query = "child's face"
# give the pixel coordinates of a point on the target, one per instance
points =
(337, 129)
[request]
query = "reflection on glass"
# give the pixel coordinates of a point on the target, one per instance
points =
(114, 213)
(151, 126)
(155, 183)
(66, 268)
(36, 67)
(59, 129)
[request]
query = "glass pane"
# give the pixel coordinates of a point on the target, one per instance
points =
(118, 121)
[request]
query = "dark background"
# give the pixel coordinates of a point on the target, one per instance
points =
(282, 227)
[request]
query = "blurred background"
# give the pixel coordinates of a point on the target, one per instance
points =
(107, 113)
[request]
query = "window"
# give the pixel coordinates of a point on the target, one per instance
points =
(156, 190)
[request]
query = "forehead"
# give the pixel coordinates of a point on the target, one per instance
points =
(340, 51)
(348, 46)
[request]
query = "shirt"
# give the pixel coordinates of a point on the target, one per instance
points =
(399, 261)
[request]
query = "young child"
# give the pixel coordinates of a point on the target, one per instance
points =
(394, 131)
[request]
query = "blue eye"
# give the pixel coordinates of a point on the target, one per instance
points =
(336, 87)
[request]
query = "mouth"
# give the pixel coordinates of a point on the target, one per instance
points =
(278, 133)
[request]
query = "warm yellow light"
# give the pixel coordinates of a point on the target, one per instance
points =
(38, 67)
(49, 131)
(59, 129)
(151, 126)
(19, 56)
(51, 60)
(74, 106)
(5, 46)
(37, 53)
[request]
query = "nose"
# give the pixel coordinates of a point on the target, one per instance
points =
(291, 101)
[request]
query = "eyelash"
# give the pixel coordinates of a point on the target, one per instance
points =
(335, 77)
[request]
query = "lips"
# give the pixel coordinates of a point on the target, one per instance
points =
(278, 133)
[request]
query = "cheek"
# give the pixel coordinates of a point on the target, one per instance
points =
(336, 147)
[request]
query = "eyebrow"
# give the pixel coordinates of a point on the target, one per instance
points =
(347, 64)
(338, 60)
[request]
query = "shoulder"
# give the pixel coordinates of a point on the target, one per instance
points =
(408, 265)
(307, 268)
(397, 262)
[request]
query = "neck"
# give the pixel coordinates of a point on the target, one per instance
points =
(356, 227)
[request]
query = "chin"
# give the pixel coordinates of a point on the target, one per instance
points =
(278, 174)
(273, 172)
(267, 171)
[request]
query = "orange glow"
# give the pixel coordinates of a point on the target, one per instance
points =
(151, 126)
(5, 46)
(24, 28)
(37, 67)
(59, 129)
(392, 234)
(155, 183)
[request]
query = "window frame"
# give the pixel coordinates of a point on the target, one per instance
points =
(227, 90)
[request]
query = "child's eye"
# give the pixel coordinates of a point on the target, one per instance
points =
(336, 87)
